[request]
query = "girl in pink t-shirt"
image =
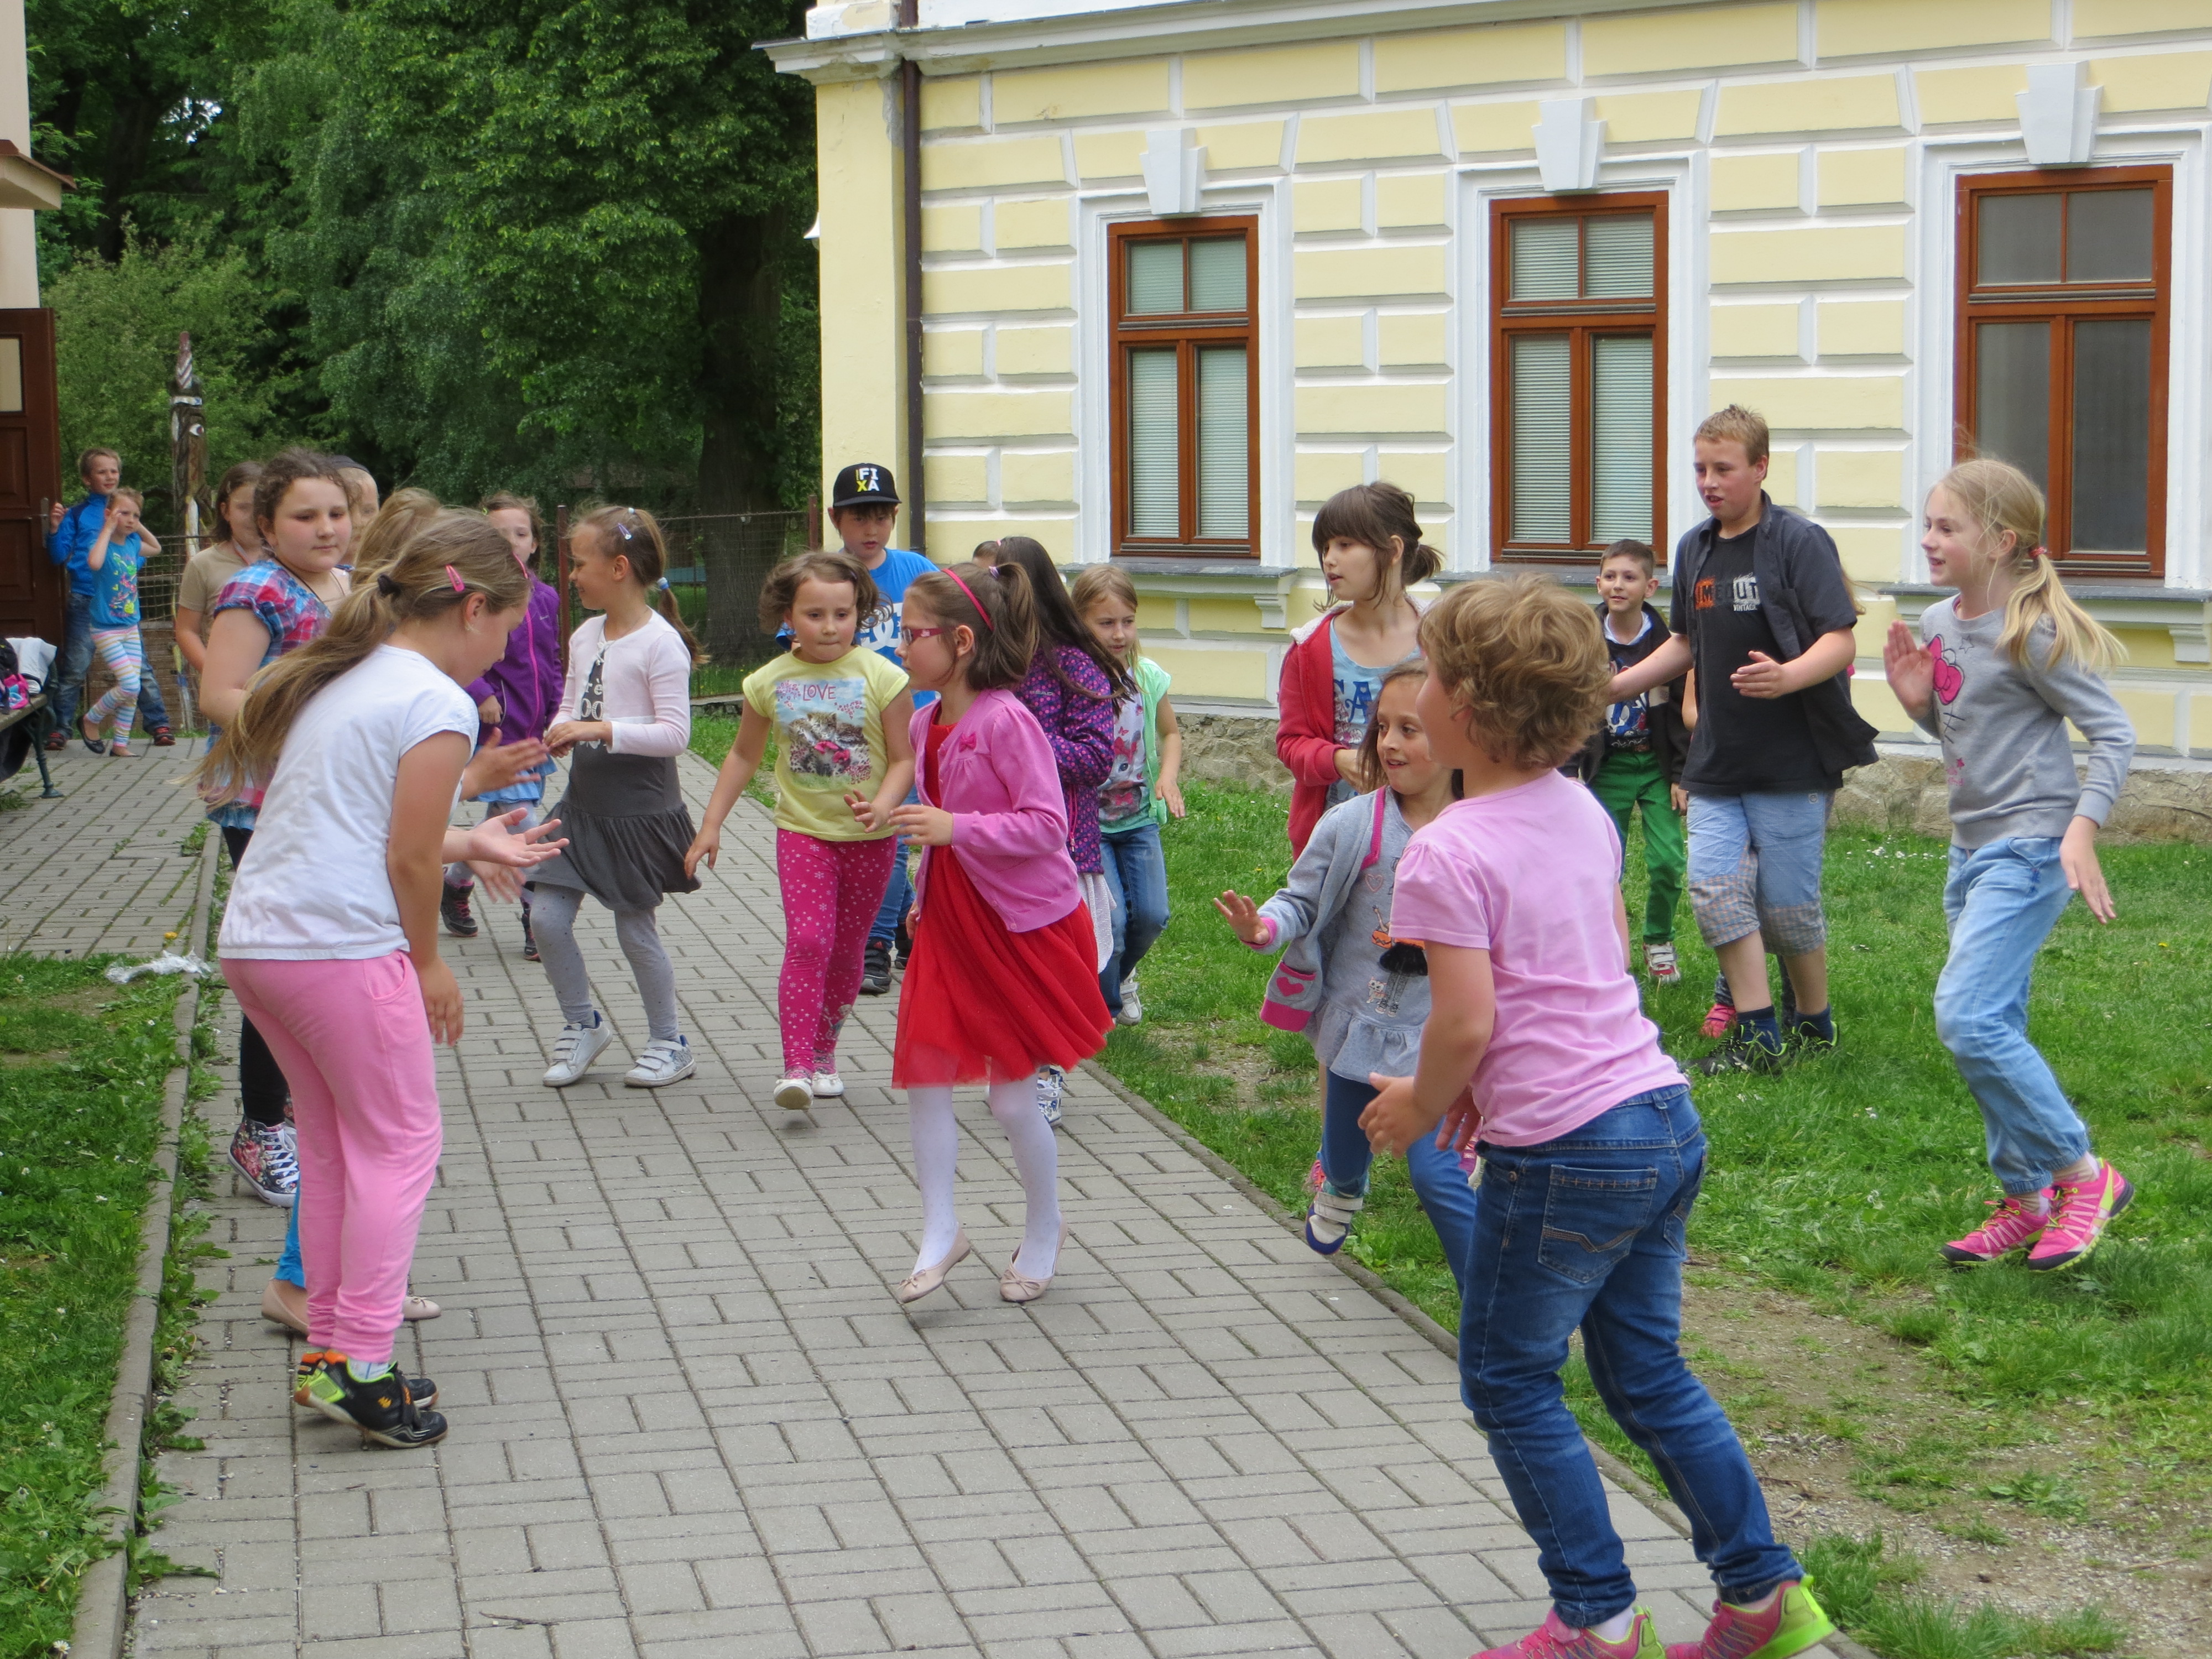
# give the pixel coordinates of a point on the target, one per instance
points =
(1536, 1050)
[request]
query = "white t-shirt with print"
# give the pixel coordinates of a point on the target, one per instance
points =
(314, 885)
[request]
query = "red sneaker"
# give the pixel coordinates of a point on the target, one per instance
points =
(1792, 1622)
(2083, 1210)
(2018, 1222)
(1719, 1019)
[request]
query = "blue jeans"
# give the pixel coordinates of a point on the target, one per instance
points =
(76, 660)
(897, 895)
(1755, 868)
(1588, 1232)
(1438, 1182)
(1137, 876)
(2002, 901)
(287, 1262)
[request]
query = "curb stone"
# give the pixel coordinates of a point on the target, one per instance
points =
(103, 1594)
(1443, 1340)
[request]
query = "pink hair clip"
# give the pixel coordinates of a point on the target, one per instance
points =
(454, 577)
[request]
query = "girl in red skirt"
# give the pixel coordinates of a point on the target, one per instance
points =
(1004, 976)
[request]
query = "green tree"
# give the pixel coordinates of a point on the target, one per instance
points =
(115, 329)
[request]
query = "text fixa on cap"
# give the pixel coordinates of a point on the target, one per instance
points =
(865, 483)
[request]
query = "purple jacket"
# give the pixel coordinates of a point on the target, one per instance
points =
(995, 775)
(527, 679)
(1080, 730)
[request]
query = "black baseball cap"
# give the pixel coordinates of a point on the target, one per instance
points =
(865, 483)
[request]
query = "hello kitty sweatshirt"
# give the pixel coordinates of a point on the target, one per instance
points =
(2002, 724)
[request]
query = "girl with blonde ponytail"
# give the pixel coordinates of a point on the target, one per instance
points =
(330, 938)
(2007, 660)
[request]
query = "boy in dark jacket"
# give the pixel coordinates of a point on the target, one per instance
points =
(1636, 760)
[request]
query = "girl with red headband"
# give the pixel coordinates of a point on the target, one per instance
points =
(1005, 976)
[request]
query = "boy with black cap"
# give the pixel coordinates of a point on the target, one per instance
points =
(864, 506)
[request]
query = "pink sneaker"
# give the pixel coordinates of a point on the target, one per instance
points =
(1719, 1019)
(1790, 1624)
(2082, 1211)
(1556, 1639)
(2018, 1222)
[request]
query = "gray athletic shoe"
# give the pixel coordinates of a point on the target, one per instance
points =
(574, 1050)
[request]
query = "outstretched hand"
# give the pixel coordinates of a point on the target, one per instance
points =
(1910, 667)
(1244, 917)
(499, 850)
(930, 825)
(497, 764)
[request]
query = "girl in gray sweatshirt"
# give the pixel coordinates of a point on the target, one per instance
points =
(1998, 670)
(1360, 995)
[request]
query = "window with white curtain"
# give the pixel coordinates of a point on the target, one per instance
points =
(2063, 287)
(1578, 374)
(1185, 388)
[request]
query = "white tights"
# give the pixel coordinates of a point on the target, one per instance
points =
(1037, 1159)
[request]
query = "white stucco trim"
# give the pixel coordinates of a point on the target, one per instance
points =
(1932, 322)
(1096, 209)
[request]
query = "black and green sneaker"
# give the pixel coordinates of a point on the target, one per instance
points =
(1809, 1040)
(424, 1391)
(383, 1409)
(1743, 1051)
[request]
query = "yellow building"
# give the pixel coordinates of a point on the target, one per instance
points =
(1184, 269)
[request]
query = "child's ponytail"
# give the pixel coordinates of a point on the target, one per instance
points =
(995, 603)
(450, 556)
(2003, 500)
(635, 534)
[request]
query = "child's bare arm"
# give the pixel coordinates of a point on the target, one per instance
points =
(1168, 783)
(737, 768)
(898, 765)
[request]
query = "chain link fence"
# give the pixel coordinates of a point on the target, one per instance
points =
(717, 565)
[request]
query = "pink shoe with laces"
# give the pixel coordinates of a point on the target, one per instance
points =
(1556, 1639)
(1790, 1624)
(2083, 1210)
(2018, 1222)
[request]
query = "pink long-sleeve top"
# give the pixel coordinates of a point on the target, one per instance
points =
(645, 686)
(994, 774)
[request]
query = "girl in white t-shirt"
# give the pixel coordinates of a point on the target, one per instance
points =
(330, 940)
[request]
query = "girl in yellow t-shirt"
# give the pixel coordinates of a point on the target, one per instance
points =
(841, 715)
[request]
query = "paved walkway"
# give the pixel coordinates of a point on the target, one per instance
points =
(687, 1413)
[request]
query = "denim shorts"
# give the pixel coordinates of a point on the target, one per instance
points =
(1755, 868)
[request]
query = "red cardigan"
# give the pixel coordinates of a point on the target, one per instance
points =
(1305, 734)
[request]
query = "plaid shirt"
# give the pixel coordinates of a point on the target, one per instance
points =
(292, 613)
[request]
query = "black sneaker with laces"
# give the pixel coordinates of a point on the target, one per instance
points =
(453, 911)
(421, 1389)
(385, 1410)
(876, 969)
(1743, 1051)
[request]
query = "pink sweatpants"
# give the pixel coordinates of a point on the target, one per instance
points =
(831, 892)
(354, 1045)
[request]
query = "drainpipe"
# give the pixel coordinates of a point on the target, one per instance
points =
(917, 499)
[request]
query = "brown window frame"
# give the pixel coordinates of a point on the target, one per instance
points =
(2061, 307)
(1186, 330)
(1582, 321)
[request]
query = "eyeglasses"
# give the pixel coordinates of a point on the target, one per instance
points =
(909, 635)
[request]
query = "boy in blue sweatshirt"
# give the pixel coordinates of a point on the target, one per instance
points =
(70, 538)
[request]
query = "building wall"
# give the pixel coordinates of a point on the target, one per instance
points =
(1808, 149)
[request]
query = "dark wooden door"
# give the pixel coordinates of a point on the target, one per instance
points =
(32, 592)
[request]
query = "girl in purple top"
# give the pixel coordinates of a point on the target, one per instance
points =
(515, 700)
(1073, 684)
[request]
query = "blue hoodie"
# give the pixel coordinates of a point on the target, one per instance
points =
(72, 539)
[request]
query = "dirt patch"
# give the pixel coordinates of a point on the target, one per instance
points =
(89, 1000)
(11, 1063)
(1854, 1431)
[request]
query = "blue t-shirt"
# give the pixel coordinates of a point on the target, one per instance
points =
(115, 584)
(1357, 687)
(880, 633)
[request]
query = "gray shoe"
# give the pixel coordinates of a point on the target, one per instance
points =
(574, 1050)
(665, 1060)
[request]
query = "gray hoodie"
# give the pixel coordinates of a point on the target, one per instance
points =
(2002, 726)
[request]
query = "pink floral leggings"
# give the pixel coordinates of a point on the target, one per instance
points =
(831, 891)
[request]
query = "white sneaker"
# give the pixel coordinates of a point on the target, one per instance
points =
(795, 1093)
(827, 1085)
(574, 1050)
(665, 1060)
(1050, 1081)
(1659, 962)
(1132, 1009)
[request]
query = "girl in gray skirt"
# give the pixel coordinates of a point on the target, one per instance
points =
(625, 714)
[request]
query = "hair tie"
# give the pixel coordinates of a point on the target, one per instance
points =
(662, 585)
(386, 585)
(2038, 552)
(973, 600)
(454, 577)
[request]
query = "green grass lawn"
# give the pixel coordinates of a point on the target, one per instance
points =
(82, 1065)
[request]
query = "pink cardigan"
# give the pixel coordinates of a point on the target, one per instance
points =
(995, 775)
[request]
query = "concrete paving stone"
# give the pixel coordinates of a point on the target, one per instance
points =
(593, 1638)
(1275, 1636)
(840, 1627)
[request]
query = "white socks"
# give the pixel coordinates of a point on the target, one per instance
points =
(1036, 1159)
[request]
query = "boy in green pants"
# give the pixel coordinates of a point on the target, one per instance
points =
(1636, 760)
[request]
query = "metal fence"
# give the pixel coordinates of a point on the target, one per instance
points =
(717, 564)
